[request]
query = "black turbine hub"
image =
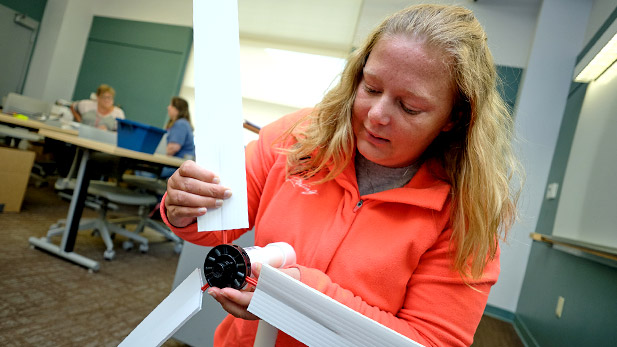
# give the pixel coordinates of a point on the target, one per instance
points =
(227, 266)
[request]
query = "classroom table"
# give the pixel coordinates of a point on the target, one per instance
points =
(65, 249)
(54, 125)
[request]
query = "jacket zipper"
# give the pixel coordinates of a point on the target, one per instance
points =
(358, 205)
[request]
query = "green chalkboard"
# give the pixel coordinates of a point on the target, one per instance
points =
(144, 63)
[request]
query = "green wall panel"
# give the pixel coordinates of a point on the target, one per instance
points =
(32, 8)
(510, 81)
(143, 62)
(589, 315)
(152, 35)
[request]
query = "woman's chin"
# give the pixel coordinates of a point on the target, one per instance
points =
(372, 154)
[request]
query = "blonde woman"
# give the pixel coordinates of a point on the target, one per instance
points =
(394, 190)
(100, 113)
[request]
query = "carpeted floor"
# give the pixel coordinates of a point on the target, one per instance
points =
(47, 301)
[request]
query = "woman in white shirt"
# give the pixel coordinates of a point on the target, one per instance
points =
(100, 113)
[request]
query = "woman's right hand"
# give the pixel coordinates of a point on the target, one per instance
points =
(191, 191)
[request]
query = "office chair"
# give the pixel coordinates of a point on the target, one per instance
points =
(155, 187)
(104, 196)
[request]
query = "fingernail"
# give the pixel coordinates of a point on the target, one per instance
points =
(219, 202)
(212, 293)
(202, 210)
(227, 194)
(216, 180)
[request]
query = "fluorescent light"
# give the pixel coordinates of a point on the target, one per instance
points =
(602, 61)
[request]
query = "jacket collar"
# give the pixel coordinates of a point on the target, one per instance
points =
(424, 190)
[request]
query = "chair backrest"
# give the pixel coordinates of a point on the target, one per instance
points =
(17, 103)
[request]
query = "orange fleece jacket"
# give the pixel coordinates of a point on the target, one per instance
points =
(386, 255)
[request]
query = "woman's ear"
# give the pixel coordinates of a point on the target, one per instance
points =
(448, 126)
(455, 118)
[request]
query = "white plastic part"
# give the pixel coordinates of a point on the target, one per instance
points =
(266, 335)
(277, 254)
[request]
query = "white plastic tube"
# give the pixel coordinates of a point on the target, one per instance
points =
(277, 254)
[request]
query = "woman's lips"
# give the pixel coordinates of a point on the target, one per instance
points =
(375, 139)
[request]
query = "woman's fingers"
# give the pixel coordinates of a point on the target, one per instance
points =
(191, 191)
(293, 272)
(255, 270)
(197, 182)
(196, 194)
(190, 169)
(233, 301)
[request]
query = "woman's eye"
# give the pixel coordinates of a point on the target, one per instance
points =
(409, 110)
(370, 90)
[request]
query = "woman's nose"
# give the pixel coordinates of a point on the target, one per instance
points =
(379, 113)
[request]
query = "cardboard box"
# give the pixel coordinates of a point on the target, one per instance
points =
(15, 167)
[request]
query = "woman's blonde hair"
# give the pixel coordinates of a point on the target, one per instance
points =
(476, 154)
(104, 88)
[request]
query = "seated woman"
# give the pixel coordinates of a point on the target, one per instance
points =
(180, 142)
(102, 113)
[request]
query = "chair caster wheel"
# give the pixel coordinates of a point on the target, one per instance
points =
(127, 245)
(143, 248)
(178, 248)
(109, 254)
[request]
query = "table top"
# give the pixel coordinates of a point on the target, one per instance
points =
(34, 124)
(112, 149)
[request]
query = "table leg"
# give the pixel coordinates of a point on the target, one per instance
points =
(77, 204)
(65, 250)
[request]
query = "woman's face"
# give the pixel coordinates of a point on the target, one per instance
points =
(106, 100)
(172, 112)
(403, 102)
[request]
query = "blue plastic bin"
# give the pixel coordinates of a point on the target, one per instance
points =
(138, 136)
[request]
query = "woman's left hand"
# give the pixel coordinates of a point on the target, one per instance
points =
(236, 302)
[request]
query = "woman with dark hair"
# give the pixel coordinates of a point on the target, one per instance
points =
(180, 141)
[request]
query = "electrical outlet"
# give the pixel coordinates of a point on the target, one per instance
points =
(551, 191)
(559, 309)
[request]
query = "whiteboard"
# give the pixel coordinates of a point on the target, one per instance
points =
(587, 209)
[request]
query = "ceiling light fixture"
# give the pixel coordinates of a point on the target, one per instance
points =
(602, 61)
(599, 57)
